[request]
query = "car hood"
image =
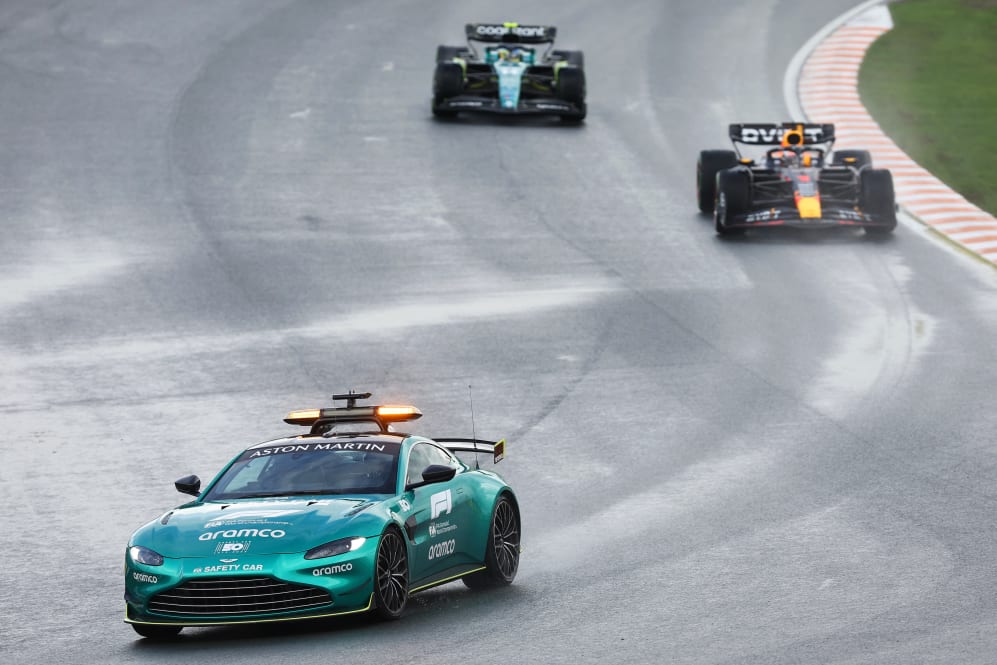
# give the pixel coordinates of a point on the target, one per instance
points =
(258, 526)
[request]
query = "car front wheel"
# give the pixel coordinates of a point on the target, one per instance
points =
(391, 576)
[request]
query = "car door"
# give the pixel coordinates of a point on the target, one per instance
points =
(438, 525)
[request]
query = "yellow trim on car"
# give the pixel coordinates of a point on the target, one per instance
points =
(444, 581)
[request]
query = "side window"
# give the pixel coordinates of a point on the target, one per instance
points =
(439, 456)
(418, 460)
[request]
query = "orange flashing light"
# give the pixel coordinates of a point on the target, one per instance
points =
(398, 413)
(303, 417)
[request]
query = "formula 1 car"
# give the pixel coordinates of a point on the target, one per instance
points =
(351, 517)
(798, 182)
(512, 69)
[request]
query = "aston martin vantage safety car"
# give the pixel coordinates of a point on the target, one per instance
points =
(797, 181)
(509, 68)
(351, 517)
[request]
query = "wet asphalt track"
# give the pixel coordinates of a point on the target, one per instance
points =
(770, 450)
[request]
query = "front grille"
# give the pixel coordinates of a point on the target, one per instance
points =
(233, 596)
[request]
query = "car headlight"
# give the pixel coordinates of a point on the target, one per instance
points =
(144, 555)
(341, 546)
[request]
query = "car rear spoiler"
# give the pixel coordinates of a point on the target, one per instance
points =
(512, 33)
(785, 133)
(496, 448)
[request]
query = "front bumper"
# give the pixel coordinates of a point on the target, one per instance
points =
(207, 591)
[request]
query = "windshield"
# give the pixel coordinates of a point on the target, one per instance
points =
(318, 468)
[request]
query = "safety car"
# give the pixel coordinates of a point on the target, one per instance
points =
(350, 517)
(511, 69)
(797, 181)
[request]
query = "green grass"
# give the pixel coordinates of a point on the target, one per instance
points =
(931, 84)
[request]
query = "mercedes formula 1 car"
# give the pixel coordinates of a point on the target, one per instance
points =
(798, 182)
(351, 517)
(509, 68)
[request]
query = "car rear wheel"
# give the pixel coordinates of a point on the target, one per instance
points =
(576, 58)
(856, 158)
(154, 632)
(391, 576)
(710, 163)
(877, 198)
(733, 198)
(502, 549)
(448, 53)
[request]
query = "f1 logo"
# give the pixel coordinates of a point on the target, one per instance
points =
(441, 503)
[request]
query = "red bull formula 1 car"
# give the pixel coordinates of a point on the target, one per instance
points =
(798, 182)
(511, 69)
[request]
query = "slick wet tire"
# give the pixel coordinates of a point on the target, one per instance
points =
(571, 85)
(502, 549)
(877, 198)
(448, 53)
(862, 158)
(576, 58)
(733, 198)
(152, 632)
(391, 576)
(710, 163)
(448, 81)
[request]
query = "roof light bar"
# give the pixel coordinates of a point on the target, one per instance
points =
(397, 413)
(382, 415)
(303, 416)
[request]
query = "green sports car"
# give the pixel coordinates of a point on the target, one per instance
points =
(351, 517)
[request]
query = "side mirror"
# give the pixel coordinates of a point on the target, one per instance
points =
(189, 485)
(438, 473)
(434, 473)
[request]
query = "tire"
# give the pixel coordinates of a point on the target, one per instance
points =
(448, 53)
(448, 80)
(733, 198)
(391, 576)
(501, 550)
(571, 85)
(862, 158)
(710, 163)
(876, 197)
(154, 632)
(576, 58)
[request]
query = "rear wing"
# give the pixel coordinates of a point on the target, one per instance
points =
(496, 448)
(512, 33)
(785, 134)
